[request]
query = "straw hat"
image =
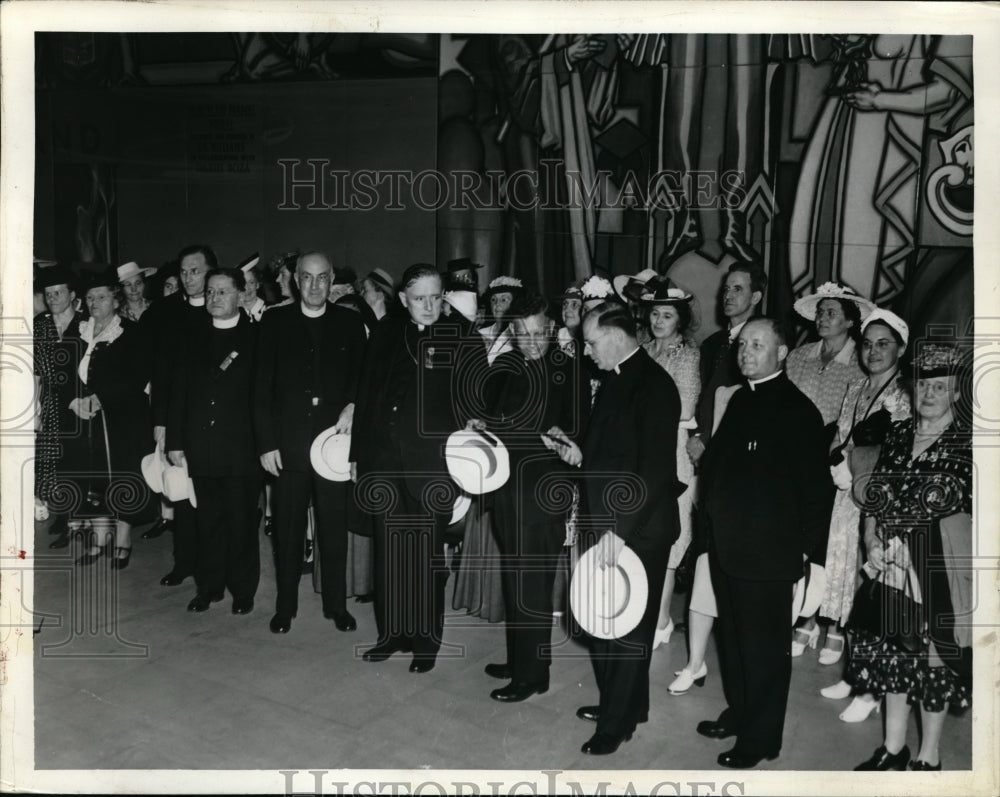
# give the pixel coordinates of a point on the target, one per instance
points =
(477, 461)
(806, 306)
(608, 602)
(330, 455)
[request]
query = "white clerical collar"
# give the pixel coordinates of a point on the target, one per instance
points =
(618, 368)
(196, 301)
(310, 313)
(225, 323)
(735, 331)
(754, 382)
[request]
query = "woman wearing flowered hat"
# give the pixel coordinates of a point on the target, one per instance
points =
(870, 406)
(668, 317)
(918, 509)
(823, 370)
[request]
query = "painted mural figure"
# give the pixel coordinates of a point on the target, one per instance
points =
(856, 209)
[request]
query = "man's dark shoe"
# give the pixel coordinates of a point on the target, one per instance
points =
(201, 602)
(420, 664)
(158, 528)
(242, 605)
(383, 650)
(516, 691)
(735, 760)
(603, 743)
(714, 729)
(589, 713)
(501, 671)
(281, 624)
(343, 619)
(173, 578)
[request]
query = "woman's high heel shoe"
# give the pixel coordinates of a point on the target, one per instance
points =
(837, 691)
(811, 635)
(662, 635)
(121, 562)
(685, 678)
(859, 710)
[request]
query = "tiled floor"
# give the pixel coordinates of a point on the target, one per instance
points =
(131, 680)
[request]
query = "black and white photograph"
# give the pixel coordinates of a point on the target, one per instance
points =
(499, 398)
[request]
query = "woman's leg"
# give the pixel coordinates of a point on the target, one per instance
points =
(666, 598)
(699, 631)
(897, 717)
(123, 539)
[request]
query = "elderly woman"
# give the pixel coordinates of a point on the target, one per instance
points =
(57, 353)
(871, 404)
(905, 642)
(115, 427)
(668, 318)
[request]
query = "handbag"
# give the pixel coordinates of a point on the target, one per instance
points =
(888, 613)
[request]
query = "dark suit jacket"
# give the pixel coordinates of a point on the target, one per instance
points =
(532, 397)
(162, 327)
(632, 436)
(765, 482)
(210, 414)
(405, 409)
(285, 385)
(718, 369)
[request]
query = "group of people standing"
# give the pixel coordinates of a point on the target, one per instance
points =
(742, 461)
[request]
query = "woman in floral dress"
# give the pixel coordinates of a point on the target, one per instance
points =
(669, 313)
(923, 477)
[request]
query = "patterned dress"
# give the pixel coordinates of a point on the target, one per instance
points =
(825, 385)
(56, 359)
(682, 361)
(845, 523)
(909, 496)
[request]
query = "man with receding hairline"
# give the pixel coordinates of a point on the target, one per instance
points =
(630, 434)
(310, 356)
(765, 489)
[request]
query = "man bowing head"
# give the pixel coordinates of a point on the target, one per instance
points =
(626, 452)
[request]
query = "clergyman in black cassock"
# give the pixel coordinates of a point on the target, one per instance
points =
(210, 420)
(309, 359)
(629, 497)
(417, 387)
(765, 489)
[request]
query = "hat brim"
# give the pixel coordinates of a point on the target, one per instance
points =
(329, 456)
(477, 462)
(152, 471)
(806, 306)
(596, 596)
(809, 591)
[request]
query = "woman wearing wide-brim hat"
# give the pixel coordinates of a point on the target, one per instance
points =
(112, 411)
(823, 370)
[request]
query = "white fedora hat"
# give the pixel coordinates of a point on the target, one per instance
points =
(477, 461)
(152, 471)
(809, 592)
(178, 486)
(608, 602)
(131, 269)
(330, 454)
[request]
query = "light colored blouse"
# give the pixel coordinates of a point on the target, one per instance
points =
(825, 385)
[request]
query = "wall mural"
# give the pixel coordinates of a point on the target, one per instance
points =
(846, 157)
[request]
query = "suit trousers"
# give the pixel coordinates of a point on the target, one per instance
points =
(755, 660)
(621, 666)
(290, 501)
(410, 573)
(186, 536)
(228, 549)
(529, 557)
